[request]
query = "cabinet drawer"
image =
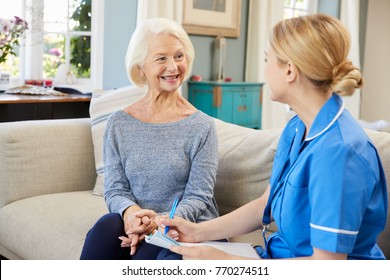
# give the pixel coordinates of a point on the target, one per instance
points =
(238, 103)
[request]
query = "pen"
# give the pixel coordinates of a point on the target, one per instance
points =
(172, 213)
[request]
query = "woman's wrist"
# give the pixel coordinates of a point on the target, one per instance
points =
(129, 211)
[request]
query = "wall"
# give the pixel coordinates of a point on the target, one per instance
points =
(236, 47)
(362, 28)
(235, 52)
(330, 7)
(376, 93)
(119, 23)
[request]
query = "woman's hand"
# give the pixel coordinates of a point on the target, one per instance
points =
(130, 221)
(147, 226)
(136, 227)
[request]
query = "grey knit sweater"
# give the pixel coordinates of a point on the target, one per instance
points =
(151, 164)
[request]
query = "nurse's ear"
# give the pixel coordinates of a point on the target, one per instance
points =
(292, 72)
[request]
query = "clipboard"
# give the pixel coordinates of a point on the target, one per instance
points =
(235, 248)
(160, 239)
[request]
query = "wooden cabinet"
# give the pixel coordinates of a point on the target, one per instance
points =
(234, 102)
(29, 107)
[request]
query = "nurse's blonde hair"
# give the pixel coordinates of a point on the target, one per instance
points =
(318, 45)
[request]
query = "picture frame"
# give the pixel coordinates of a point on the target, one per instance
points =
(212, 17)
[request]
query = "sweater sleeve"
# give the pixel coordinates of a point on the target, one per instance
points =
(117, 191)
(198, 202)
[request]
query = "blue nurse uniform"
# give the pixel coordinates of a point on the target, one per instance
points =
(328, 190)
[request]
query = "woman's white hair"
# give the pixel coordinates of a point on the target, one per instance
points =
(137, 50)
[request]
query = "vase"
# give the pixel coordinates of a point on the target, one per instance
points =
(4, 80)
(219, 58)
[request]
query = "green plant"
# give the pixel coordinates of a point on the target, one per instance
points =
(81, 45)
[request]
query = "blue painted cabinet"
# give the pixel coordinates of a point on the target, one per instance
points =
(234, 102)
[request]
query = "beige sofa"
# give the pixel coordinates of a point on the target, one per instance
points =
(48, 173)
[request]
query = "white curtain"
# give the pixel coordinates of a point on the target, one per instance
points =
(263, 15)
(172, 9)
(349, 15)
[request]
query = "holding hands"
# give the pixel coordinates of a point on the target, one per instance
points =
(137, 227)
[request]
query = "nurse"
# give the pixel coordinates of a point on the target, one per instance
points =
(327, 192)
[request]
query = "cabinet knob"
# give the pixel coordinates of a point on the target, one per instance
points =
(241, 108)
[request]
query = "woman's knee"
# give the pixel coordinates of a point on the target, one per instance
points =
(111, 222)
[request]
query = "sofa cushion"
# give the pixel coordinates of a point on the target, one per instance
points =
(31, 151)
(103, 104)
(50, 226)
(245, 164)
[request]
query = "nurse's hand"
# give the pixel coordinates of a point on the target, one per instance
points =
(203, 253)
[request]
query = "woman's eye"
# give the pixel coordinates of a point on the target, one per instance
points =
(161, 59)
(179, 56)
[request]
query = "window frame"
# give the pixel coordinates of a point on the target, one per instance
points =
(31, 50)
(312, 7)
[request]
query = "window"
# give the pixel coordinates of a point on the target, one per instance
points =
(67, 37)
(295, 8)
(60, 43)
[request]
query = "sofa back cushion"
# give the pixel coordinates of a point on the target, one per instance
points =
(45, 156)
(103, 104)
(245, 163)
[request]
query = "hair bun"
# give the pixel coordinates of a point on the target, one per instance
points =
(346, 78)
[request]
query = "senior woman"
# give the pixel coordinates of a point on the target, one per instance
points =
(155, 150)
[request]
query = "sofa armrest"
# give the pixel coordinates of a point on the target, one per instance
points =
(45, 156)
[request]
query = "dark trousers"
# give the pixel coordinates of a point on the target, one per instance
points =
(102, 242)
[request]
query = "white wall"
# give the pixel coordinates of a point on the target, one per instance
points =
(375, 102)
